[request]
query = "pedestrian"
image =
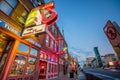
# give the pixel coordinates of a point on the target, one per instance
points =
(72, 73)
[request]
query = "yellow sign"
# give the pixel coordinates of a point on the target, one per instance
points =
(34, 18)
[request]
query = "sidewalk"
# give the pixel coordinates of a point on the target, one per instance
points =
(82, 76)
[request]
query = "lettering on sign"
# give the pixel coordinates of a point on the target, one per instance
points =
(34, 42)
(3, 24)
(34, 30)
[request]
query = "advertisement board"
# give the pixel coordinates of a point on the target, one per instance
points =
(34, 18)
(34, 30)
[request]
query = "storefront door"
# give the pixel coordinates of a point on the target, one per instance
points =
(43, 69)
(5, 47)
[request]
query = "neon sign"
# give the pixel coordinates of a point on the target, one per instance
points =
(47, 5)
(34, 18)
(51, 19)
(42, 15)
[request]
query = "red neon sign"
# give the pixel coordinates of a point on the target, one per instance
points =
(51, 19)
(47, 5)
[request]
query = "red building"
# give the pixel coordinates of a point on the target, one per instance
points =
(28, 49)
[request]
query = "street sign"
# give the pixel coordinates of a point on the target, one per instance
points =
(111, 32)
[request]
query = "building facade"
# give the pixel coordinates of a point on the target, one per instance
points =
(88, 61)
(24, 55)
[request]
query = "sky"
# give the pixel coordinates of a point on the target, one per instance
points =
(83, 22)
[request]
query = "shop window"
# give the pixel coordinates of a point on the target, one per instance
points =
(18, 65)
(33, 52)
(22, 47)
(31, 65)
(7, 6)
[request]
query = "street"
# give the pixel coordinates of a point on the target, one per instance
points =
(115, 75)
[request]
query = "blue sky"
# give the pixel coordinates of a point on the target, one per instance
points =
(83, 22)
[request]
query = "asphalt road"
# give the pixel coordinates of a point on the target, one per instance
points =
(115, 75)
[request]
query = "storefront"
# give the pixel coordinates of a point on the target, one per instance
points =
(21, 57)
(18, 57)
(48, 66)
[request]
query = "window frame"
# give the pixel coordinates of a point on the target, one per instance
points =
(27, 55)
(9, 5)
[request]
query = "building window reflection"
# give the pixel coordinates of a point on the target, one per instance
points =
(25, 61)
(18, 65)
(22, 47)
(33, 52)
(31, 65)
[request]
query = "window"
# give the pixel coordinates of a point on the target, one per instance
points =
(31, 65)
(18, 65)
(7, 6)
(23, 47)
(33, 52)
(25, 61)
(47, 40)
(12, 3)
(19, 14)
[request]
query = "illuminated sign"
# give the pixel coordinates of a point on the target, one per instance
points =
(47, 5)
(111, 32)
(42, 15)
(12, 29)
(34, 42)
(34, 18)
(34, 30)
(49, 16)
